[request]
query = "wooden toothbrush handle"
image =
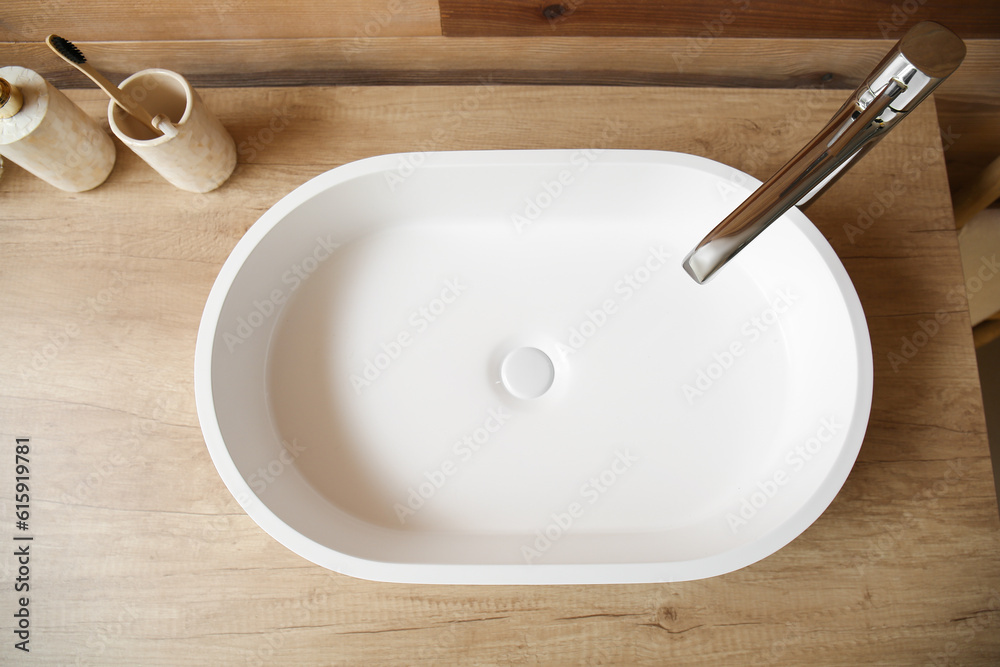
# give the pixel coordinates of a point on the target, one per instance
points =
(122, 100)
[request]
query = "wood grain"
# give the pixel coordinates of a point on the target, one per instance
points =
(709, 19)
(986, 332)
(216, 19)
(142, 556)
(978, 193)
(968, 103)
(757, 63)
(974, 138)
(979, 244)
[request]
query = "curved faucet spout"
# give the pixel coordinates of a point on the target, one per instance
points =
(926, 55)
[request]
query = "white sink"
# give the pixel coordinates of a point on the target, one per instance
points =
(490, 367)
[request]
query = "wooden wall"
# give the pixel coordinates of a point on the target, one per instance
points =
(856, 19)
(710, 43)
(180, 20)
(115, 20)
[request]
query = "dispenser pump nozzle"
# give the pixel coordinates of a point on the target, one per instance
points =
(10, 99)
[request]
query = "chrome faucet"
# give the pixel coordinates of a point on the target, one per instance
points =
(926, 55)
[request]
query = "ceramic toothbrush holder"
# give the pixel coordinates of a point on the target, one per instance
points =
(196, 154)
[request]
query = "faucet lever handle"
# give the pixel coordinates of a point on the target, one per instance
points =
(925, 56)
(933, 49)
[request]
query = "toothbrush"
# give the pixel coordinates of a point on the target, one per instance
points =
(69, 52)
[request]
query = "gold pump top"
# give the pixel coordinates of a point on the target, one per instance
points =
(10, 99)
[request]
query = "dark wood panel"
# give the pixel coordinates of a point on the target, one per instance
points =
(968, 103)
(746, 63)
(971, 135)
(705, 20)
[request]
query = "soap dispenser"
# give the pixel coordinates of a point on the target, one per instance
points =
(44, 132)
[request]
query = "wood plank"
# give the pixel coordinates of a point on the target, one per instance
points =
(745, 63)
(709, 19)
(216, 19)
(975, 139)
(977, 193)
(979, 242)
(143, 557)
(968, 103)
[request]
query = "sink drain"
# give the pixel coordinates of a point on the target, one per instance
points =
(527, 372)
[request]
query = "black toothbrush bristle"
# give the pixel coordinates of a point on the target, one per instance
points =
(68, 49)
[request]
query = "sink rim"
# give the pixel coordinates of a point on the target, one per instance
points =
(540, 573)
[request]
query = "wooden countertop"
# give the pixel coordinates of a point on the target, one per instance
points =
(141, 556)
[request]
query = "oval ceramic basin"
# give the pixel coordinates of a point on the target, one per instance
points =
(490, 367)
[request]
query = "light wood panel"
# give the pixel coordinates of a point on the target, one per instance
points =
(968, 103)
(756, 63)
(142, 556)
(216, 19)
(864, 19)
